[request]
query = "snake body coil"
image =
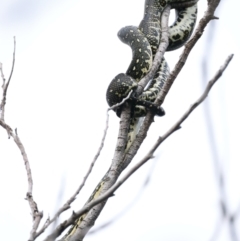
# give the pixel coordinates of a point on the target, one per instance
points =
(141, 63)
(139, 67)
(150, 29)
(179, 32)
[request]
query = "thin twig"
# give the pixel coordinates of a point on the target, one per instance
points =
(122, 102)
(66, 206)
(36, 215)
(5, 85)
(2, 75)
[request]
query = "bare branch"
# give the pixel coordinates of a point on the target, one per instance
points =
(2, 75)
(6, 127)
(175, 127)
(14, 51)
(208, 16)
(5, 85)
(160, 52)
(36, 215)
(38, 218)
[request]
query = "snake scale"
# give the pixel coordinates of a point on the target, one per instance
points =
(144, 41)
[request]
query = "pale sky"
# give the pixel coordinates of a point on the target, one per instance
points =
(67, 54)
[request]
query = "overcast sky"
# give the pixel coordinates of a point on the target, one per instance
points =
(67, 54)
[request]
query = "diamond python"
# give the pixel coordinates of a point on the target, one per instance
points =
(144, 41)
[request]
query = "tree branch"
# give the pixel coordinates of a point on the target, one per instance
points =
(208, 16)
(36, 215)
(110, 191)
(5, 85)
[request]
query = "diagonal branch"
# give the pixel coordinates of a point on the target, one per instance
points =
(208, 16)
(161, 139)
(175, 127)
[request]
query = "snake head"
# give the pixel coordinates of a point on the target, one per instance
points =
(160, 111)
(119, 88)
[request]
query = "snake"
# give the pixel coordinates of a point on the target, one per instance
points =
(144, 41)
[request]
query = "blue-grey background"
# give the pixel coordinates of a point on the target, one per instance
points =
(67, 53)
